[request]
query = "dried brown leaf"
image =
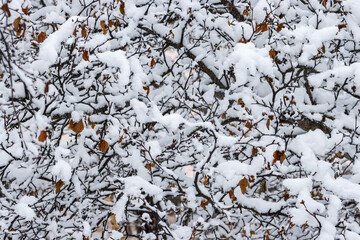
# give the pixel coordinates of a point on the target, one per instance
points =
(16, 24)
(84, 32)
(272, 54)
(5, 8)
(42, 137)
(103, 145)
(206, 180)
(244, 184)
(279, 156)
(41, 37)
(103, 26)
(204, 203)
(268, 124)
(76, 126)
(153, 62)
(85, 55)
(122, 8)
(59, 185)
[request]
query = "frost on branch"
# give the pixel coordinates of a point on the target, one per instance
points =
(177, 119)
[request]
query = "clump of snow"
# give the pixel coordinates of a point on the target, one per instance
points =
(23, 209)
(62, 170)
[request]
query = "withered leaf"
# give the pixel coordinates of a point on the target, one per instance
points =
(85, 55)
(113, 223)
(262, 187)
(59, 185)
(26, 10)
(109, 198)
(153, 62)
(340, 26)
(42, 137)
(5, 8)
(248, 125)
(272, 54)
(41, 37)
(76, 126)
(280, 27)
(246, 12)
(205, 180)
(83, 32)
(324, 2)
(204, 203)
(254, 151)
(46, 88)
(122, 8)
(232, 195)
(149, 166)
(103, 27)
(268, 124)
(16, 24)
(279, 156)
(103, 145)
(244, 184)
(147, 89)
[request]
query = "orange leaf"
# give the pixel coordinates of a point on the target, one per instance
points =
(16, 24)
(113, 223)
(240, 102)
(76, 127)
(229, 23)
(149, 166)
(279, 156)
(91, 123)
(204, 203)
(5, 8)
(42, 137)
(246, 12)
(41, 37)
(205, 180)
(340, 26)
(244, 183)
(46, 88)
(103, 145)
(26, 10)
(121, 138)
(122, 8)
(324, 2)
(103, 27)
(109, 198)
(254, 151)
(268, 124)
(59, 185)
(83, 32)
(248, 125)
(280, 27)
(85, 55)
(232, 195)
(323, 48)
(152, 62)
(223, 116)
(147, 89)
(272, 54)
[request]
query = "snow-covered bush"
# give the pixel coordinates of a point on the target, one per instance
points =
(179, 119)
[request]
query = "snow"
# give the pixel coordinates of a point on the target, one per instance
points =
(48, 53)
(62, 170)
(117, 59)
(23, 209)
